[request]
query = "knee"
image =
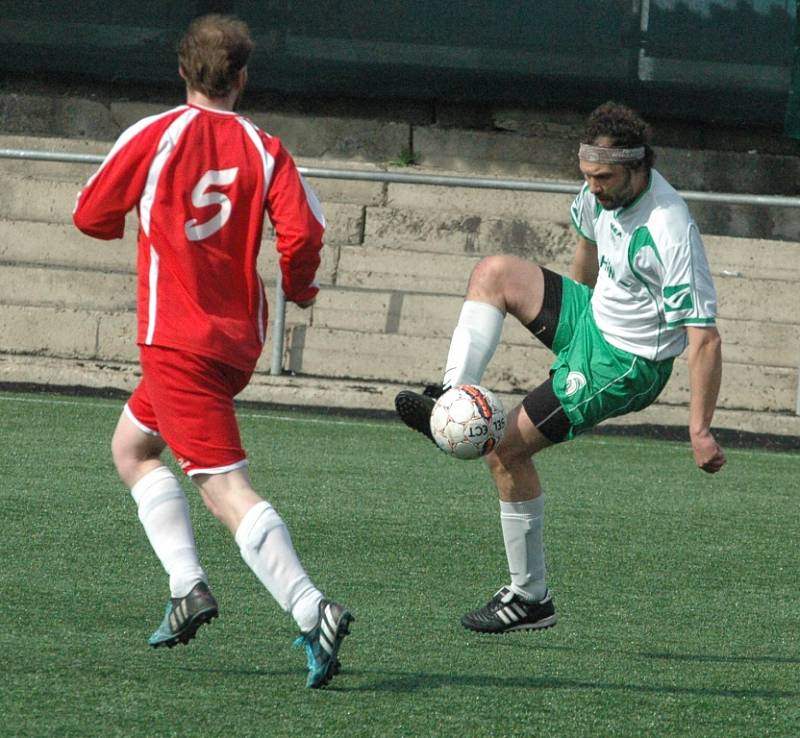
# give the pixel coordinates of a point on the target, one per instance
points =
(489, 274)
(215, 491)
(227, 496)
(214, 503)
(130, 461)
(512, 284)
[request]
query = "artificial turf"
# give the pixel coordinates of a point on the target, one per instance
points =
(677, 592)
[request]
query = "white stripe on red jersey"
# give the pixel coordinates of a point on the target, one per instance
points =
(152, 311)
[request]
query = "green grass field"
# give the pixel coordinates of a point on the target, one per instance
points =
(677, 592)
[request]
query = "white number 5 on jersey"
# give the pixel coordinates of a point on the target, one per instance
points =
(196, 231)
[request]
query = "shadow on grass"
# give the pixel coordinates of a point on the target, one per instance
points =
(419, 681)
(667, 655)
(699, 658)
(702, 658)
(298, 675)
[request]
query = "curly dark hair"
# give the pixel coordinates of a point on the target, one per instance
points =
(625, 127)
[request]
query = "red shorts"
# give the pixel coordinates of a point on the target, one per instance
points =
(188, 400)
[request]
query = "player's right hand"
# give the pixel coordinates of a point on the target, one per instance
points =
(306, 303)
(708, 454)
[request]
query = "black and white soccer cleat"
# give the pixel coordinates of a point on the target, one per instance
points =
(415, 409)
(507, 611)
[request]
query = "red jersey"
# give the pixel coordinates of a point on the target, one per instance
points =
(201, 181)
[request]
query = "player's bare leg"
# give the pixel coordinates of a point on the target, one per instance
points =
(264, 541)
(266, 547)
(498, 285)
(525, 604)
(228, 496)
(164, 513)
(511, 464)
(511, 284)
(135, 452)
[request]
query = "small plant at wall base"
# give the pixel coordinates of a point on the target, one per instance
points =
(406, 158)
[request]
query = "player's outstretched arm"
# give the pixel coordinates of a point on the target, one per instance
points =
(705, 375)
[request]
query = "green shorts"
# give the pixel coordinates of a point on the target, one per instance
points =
(592, 379)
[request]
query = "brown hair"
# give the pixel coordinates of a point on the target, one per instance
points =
(212, 52)
(624, 127)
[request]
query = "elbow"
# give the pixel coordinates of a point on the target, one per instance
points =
(97, 229)
(713, 341)
(84, 224)
(705, 337)
(79, 220)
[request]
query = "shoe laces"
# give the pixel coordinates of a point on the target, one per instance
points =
(502, 597)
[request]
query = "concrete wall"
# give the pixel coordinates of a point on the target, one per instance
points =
(395, 266)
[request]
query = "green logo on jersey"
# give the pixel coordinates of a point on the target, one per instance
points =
(606, 265)
(678, 297)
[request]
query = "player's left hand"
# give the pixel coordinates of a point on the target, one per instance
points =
(707, 453)
(306, 303)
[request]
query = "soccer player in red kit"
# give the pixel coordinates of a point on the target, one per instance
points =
(202, 178)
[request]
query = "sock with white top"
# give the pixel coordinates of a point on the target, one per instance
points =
(473, 343)
(523, 534)
(266, 547)
(164, 513)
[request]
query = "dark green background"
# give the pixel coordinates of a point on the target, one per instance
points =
(711, 60)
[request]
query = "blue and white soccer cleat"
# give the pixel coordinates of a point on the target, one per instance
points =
(184, 615)
(323, 641)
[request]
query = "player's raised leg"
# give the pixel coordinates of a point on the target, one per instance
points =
(525, 603)
(164, 514)
(498, 285)
(266, 547)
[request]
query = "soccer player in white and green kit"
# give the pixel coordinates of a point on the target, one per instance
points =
(639, 292)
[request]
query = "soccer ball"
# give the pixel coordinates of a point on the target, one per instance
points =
(468, 421)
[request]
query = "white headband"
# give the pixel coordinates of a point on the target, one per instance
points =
(610, 154)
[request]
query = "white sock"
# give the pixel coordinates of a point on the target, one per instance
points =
(523, 529)
(473, 344)
(164, 513)
(266, 547)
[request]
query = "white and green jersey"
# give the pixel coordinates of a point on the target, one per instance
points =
(654, 277)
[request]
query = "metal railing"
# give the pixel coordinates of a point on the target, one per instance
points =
(724, 198)
(279, 318)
